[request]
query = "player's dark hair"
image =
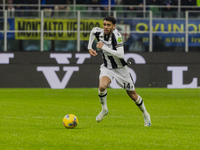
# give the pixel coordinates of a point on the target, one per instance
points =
(110, 18)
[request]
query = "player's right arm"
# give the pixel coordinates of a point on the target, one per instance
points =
(92, 52)
(91, 40)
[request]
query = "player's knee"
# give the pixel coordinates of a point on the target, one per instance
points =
(133, 95)
(102, 88)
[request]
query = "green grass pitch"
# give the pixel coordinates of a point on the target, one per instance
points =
(32, 119)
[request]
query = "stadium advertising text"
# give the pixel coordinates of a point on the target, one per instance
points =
(65, 29)
(178, 76)
(50, 72)
(71, 70)
(5, 58)
(172, 32)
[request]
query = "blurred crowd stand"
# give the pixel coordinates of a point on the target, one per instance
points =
(10, 8)
(162, 8)
(137, 46)
(104, 6)
(93, 8)
(136, 5)
(100, 8)
(63, 8)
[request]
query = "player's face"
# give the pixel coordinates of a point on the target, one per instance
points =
(108, 27)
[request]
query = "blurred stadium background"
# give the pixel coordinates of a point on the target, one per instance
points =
(43, 46)
(161, 39)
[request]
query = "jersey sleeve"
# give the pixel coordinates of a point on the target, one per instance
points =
(92, 37)
(117, 53)
(119, 40)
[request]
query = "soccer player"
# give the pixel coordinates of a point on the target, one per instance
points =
(114, 66)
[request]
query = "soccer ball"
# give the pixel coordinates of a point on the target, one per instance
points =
(70, 121)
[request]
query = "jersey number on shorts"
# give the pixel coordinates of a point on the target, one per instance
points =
(127, 86)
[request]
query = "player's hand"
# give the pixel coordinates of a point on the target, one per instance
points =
(92, 52)
(99, 45)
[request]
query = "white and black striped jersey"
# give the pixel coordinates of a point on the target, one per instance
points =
(112, 51)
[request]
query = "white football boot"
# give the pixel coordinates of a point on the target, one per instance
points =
(147, 120)
(101, 115)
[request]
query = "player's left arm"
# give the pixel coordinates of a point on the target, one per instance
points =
(118, 53)
(119, 49)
